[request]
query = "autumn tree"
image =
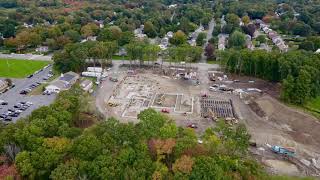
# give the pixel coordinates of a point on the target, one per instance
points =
(178, 38)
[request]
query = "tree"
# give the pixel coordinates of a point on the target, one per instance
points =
(301, 29)
(149, 29)
(66, 171)
(245, 20)
(116, 33)
(135, 51)
(89, 29)
(24, 164)
(209, 51)
(237, 40)
(233, 19)
(183, 165)
(206, 168)
(201, 39)
(169, 131)
(227, 29)
(126, 38)
(178, 38)
(303, 87)
(307, 45)
(73, 35)
(249, 29)
(288, 87)
(151, 122)
(261, 38)
(87, 147)
(8, 30)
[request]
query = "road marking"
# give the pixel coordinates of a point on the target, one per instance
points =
(101, 87)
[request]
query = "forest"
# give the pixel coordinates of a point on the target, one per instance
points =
(53, 143)
(297, 70)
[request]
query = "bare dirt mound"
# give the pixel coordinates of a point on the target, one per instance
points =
(301, 127)
(257, 109)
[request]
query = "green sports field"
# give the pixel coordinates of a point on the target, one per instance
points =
(14, 68)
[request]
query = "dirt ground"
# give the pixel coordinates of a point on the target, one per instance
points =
(268, 121)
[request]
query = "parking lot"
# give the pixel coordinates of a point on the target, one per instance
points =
(13, 96)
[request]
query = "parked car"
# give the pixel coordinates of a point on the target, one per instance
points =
(3, 102)
(3, 115)
(165, 110)
(8, 118)
(24, 92)
(14, 115)
(17, 106)
(30, 76)
(30, 103)
(113, 79)
(23, 108)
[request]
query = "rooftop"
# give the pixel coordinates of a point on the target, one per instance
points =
(68, 76)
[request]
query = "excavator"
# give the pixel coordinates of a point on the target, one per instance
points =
(161, 99)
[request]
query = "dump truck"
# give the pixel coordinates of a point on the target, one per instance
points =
(283, 150)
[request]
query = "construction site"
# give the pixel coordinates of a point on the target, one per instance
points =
(205, 96)
(136, 93)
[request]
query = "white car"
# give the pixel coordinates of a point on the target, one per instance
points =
(30, 103)
(212, 88)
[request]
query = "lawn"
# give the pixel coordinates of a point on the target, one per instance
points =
(116, 57)
(314, 104)
(14, 68)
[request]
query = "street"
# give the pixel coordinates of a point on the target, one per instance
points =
(26, 57)
(209, 36)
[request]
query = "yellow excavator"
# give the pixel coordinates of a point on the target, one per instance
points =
(161, 99)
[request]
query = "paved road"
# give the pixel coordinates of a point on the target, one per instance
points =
(105, 89)
(13, 97)
(209, 36)
(27, 56)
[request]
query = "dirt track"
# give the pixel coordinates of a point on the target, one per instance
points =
(298, 129)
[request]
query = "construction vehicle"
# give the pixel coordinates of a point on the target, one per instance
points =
(112, 104)
(283, 150)
(231, 121)
(212, 115)
(161, 99)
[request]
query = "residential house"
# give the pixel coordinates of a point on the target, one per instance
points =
(42, 49)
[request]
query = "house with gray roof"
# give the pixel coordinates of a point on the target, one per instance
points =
(64, 82)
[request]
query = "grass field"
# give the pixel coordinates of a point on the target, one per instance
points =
(14, 68)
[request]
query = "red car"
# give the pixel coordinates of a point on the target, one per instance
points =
(193, 126)
(165, 110)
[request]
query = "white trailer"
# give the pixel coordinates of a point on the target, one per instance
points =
(95, 69)
(91, 74)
